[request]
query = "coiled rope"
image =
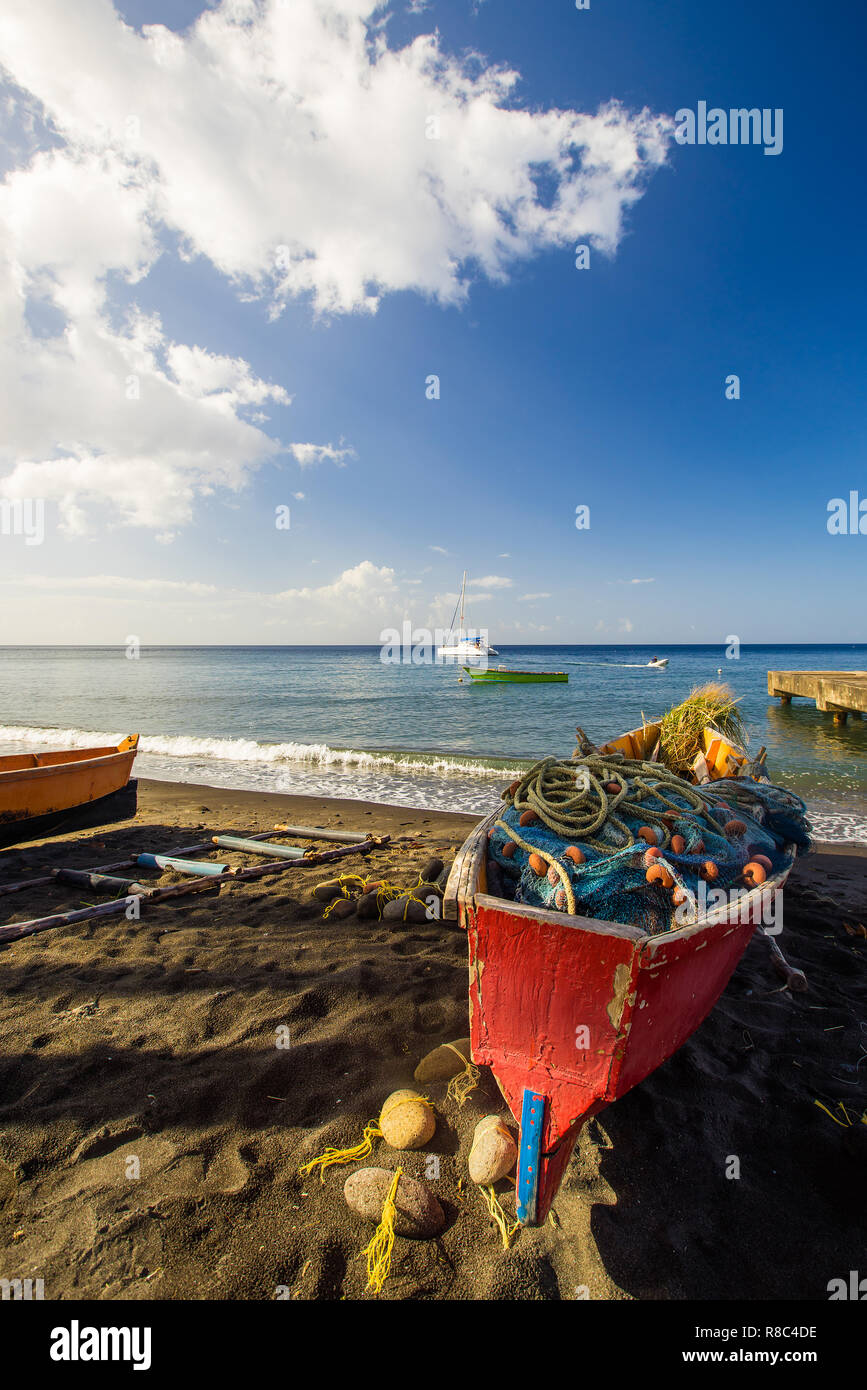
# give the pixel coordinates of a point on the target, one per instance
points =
(570, 797)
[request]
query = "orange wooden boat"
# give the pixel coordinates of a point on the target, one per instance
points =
(39, 791)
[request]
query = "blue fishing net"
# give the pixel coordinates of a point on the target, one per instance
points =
(612, 884)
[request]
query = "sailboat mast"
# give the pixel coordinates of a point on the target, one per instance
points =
(463, 592)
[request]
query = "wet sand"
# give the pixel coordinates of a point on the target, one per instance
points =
(150, 1047)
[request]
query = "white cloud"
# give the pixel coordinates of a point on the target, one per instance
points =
(308, 455)
(531, 598)
(490, 581)
(624, 625)
(112, 583)
(364, 583)
(276, 140)
(635, 581)
(299, 496)
(439, 550)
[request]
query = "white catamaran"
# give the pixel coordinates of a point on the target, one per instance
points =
(466, 646)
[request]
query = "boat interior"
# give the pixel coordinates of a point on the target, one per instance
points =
(721, 758)
(22, 762)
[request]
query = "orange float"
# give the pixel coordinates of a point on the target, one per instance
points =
(754, 874)
(658, 873)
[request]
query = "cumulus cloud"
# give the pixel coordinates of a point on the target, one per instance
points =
(490, 581)
(277, 140)
(361, 584)
(531, 598)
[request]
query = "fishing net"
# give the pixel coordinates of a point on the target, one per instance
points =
(622, 840)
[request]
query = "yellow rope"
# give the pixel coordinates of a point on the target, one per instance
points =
(332, 1157)
(343, 880)
(549, 859)
(499, 1216)
(466, 1081)
(354, 885)
(847, 1124)
(378, 1252)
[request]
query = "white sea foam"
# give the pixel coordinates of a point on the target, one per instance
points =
(239, 750)
(425, 781)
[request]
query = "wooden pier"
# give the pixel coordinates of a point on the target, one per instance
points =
(841, 693)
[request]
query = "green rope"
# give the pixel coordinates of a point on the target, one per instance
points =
(553, 790)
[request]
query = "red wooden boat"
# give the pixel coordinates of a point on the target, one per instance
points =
(570, 1012)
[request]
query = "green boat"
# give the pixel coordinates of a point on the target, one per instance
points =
(500, 673)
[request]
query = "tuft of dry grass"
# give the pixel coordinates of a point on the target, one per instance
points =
(713, 705)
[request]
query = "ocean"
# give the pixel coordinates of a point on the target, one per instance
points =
(337, 721)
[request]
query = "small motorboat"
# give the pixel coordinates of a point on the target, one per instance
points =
(569, 1011)
(502, 673)
(40, 791)
(658, 663)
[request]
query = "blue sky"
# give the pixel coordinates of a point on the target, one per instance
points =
(604, 386)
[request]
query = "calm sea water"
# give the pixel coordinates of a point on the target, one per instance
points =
(336, 721)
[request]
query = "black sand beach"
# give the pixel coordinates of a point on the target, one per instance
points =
(156, 1041)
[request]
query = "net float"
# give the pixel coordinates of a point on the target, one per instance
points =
(646, 832)
(734, 827)
(560, 899)
(678, 844)
(709, 871)
(658, 873)
(679, 896)
(612, 787)
(527, 818)
(650, 855)
(763, 860)
(538, 865)
(553, 876)
(575, 854)
(509, 849)
(754, 874)
(513, 787)
(697, 848)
